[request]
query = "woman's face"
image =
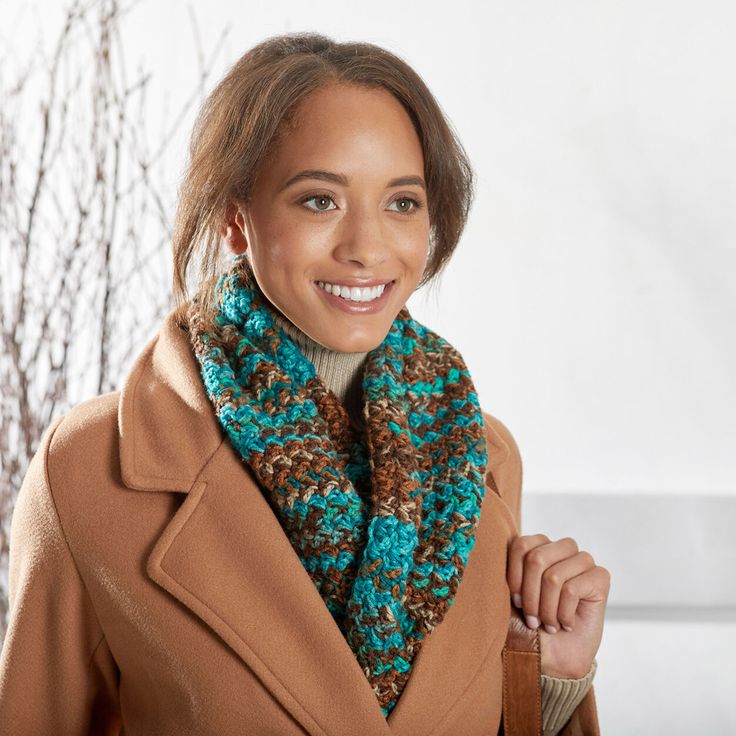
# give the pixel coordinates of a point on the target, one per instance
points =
(340, 201)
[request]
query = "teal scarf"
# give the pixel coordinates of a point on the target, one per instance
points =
(383, 521)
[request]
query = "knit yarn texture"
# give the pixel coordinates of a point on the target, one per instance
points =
(383, 520)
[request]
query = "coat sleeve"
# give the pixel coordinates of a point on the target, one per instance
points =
(568, 706)
(57, 674)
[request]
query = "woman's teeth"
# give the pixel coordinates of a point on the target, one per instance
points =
(353, 293)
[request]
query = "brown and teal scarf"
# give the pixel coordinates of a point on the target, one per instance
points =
(383, 521)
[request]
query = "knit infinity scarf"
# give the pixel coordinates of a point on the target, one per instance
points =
(383, 521)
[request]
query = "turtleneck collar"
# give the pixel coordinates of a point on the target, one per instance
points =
(341, 372)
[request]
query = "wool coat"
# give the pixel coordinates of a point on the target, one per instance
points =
(154, 592)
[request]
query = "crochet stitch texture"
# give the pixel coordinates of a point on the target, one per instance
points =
(383, 521)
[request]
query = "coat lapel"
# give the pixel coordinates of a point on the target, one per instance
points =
(224, 555)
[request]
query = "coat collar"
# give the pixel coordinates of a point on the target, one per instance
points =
(224, 546)
(168, 429)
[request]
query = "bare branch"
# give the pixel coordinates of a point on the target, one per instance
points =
(84, 226)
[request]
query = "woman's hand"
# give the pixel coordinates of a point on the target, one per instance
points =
(558, 586)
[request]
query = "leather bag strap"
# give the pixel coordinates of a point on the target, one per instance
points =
(522, 679)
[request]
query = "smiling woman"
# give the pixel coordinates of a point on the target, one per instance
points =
(293, 115)
(294, 517)
(368, 227)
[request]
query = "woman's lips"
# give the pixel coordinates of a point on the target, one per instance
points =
(357, 307)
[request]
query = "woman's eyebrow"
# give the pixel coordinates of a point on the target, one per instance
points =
(400, 181)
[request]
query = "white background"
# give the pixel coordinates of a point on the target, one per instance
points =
(593, 294)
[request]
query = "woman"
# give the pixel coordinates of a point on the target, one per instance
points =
(294, 517)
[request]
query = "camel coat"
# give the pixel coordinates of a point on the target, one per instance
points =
(153, 590)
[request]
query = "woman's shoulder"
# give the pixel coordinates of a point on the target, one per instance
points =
(73, 466)
(84, 427)
(77, 452)
(499, 435)
(504, 471)
(88, 436)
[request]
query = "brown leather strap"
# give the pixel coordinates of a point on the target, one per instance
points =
(522, 679)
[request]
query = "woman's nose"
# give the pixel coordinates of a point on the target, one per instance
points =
(361, 239)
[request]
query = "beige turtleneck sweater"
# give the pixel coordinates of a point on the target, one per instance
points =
(342, 373)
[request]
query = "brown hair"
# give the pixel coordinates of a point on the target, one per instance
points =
(240, 122)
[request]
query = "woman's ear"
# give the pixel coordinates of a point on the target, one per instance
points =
(233, 229)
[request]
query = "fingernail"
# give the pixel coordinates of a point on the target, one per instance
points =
(550, 629)
(517, 600)
(567, 628)
(532, 622)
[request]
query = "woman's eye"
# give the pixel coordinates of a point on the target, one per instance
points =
(405, 202)
(320, 198)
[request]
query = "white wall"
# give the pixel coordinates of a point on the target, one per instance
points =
(593, 294)
(666, 661)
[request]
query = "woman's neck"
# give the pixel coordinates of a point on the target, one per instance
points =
(341, 372)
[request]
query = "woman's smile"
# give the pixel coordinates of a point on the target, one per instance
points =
(354, 299)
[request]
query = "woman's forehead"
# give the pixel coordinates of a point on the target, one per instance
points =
(348, 129)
